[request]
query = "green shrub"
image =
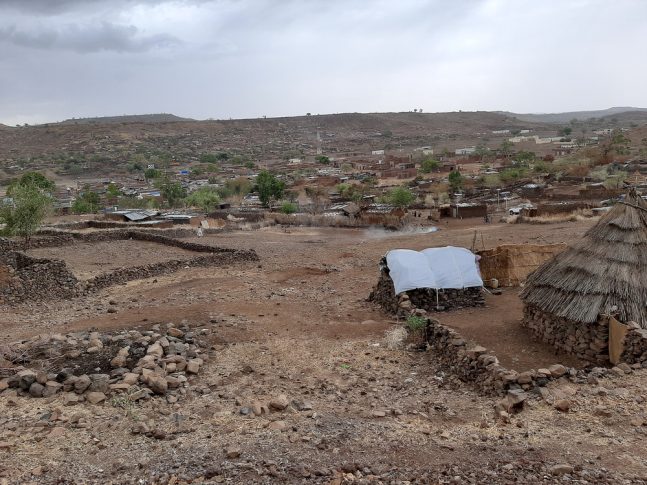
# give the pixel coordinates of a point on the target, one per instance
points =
(288, 208)
(416, 324)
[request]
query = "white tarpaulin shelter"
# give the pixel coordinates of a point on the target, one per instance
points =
(437, 268)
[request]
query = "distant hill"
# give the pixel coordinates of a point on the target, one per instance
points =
(149, 118)
(577, 115)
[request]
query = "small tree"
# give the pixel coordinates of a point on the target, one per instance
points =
(269, 187)
(34, 179)
(206, 198)
(173, 192)
(113, 191)
(324, 160)
(429, 165)
(401, 197)
(87, 203)
(30, 205)
(455, 181)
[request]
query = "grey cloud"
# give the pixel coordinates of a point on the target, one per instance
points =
(55, 7)
(105, 36)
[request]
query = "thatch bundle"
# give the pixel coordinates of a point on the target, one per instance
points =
(603, 273)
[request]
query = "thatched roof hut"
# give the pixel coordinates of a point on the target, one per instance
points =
(603, 273)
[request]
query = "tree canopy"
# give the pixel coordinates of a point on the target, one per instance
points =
(206, 198)
(34, 179)
(269, 187)
(429, 165)
(30, 205)
(455, 180)
(173, 192)
(401, 197)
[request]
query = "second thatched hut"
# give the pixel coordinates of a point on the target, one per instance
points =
(570, 300)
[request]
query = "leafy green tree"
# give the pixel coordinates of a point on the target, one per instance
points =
(401, 197)
(113, 191)
(429, 165)
(173, 192)
(269, 187)
(324, 160)
(525, 156)
(206, 198)
(151, 173)
(87, 203)
(35, 179)
(23, 216)
(455, 180)
(506, 148)
(566, 131)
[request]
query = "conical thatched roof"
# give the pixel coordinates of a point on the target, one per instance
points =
(604, 272)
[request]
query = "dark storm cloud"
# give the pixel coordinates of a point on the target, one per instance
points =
(105, 36)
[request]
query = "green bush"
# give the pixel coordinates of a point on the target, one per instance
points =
(416, 324)
(289, 208)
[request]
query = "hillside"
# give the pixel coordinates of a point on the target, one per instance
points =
(146, 118)
(566, 117)
(257, 138)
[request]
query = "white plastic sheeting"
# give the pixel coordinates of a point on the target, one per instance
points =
(437, 268)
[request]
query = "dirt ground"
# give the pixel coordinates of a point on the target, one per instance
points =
(298, 324)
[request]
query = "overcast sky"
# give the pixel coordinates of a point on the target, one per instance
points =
(248, 58)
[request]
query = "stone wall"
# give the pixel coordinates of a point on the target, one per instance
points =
(147, 271)
(588, 342)
(635, 344)
(50, 239)
(477, 365)
(424, 298)
(28, 278)
(24, 278)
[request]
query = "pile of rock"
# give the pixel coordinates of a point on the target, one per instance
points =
(426, 299)
(89, 366)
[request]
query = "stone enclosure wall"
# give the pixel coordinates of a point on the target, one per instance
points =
(24, 278)
(424, 298)
(589, 342)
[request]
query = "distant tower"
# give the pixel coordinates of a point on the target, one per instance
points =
(319, 151)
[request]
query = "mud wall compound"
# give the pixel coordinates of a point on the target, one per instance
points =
(24, 278)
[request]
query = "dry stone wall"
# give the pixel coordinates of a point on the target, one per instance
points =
(424, 298)
(30, 278)
(588, 342)
(635, 344)
(24, 278)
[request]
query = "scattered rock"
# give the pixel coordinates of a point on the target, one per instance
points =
(95, 397)
(280, 402)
